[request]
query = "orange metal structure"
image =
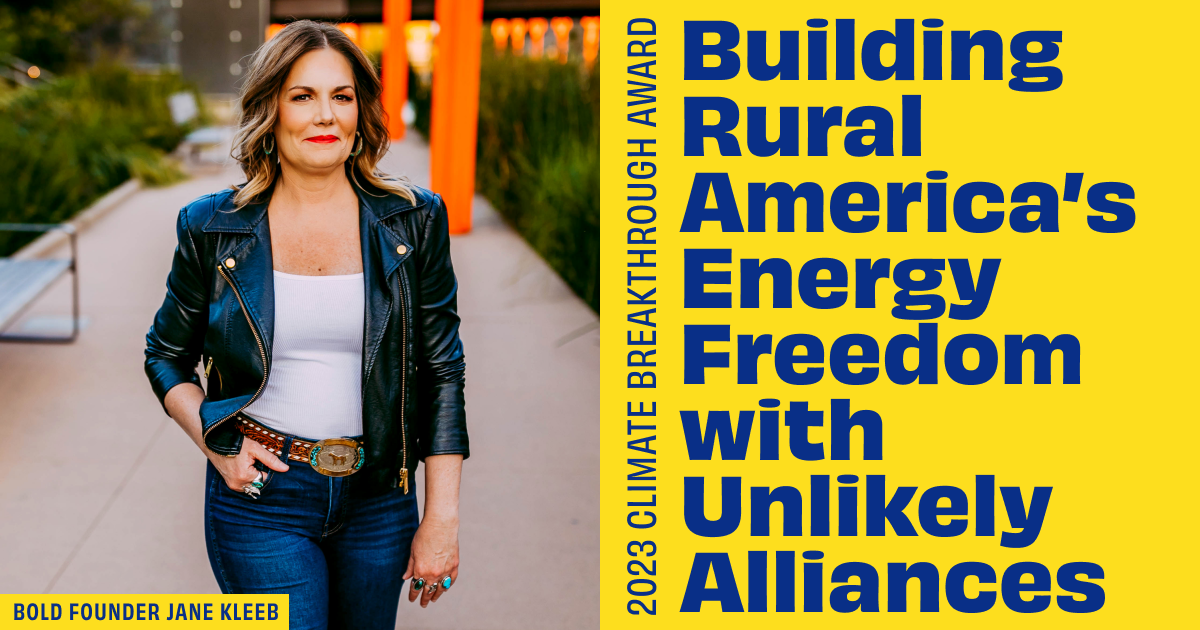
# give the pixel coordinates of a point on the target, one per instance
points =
(396, 14)
(455, 107)
(562, 35)
(537, 34)
(591, 38)
(517, 28)
(500, 34)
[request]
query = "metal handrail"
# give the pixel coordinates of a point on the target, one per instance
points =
(73, 268)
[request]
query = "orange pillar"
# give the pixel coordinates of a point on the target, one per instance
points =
(562, 35)
(396, 14)
(517, 27)
(591, 38)
(537, 35)
(455, 107)
(500, 34)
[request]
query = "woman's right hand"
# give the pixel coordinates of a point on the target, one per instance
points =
(183, 404)
(239, 471)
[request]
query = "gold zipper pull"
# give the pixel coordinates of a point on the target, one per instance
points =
(208, 367)
(404, 479)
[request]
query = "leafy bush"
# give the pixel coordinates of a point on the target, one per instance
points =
(538, 157)
(420, 96)
(65, 144)
(66, 35)
(152, 167)
(559, 215)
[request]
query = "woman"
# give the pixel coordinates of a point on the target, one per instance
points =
(321, 299)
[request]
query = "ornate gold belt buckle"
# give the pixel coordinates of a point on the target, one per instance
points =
(336, 457)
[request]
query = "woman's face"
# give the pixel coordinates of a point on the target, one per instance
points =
(318, 112)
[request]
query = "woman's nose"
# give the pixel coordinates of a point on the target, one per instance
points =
(325, 112)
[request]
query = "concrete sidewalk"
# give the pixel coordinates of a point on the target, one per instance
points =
(104, 494)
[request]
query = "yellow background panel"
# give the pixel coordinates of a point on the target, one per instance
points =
(1118, 448)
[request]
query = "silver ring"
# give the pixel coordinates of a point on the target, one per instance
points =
(252, 488)
(433, 588)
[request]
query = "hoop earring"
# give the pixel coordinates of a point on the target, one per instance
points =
(355, 152)
(265, 149)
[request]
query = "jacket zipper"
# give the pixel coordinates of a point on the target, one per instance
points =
(261, 350)
(220, 382)
(403, 376)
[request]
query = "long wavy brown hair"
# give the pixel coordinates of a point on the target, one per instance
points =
(269, 68)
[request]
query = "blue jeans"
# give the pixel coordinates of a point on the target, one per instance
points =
(340, 557)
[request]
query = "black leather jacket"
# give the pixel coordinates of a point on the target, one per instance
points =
(220, 307)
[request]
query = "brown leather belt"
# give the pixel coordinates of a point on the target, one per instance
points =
(334, 457)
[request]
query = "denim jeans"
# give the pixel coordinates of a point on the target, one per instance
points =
(340, 557)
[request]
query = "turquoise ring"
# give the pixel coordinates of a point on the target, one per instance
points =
(418, 583)
(446, 582)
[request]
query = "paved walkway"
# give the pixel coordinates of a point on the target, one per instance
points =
(103, 493)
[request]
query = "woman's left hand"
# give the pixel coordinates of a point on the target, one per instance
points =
(434, 556)
(434, 553)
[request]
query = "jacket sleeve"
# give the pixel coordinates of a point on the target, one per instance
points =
(441, 364)
(176, 337)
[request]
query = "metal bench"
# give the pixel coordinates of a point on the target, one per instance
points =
(202, 139)
(22, 281)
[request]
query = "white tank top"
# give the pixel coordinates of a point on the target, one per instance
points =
(315, 386)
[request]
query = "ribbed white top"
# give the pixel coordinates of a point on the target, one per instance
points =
(315, 386)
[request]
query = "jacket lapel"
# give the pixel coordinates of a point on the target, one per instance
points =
(383, 250)
(253, 269)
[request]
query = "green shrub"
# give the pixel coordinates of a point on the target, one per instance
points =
(559, 215)
(71, 141)
(538, 158)
(67, 35)
(420, 96)
(152, 167)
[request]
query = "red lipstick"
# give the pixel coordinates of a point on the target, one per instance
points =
(322, 139)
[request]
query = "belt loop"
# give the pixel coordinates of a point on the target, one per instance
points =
(287, 451)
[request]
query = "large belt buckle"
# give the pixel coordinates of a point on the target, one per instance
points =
(336, 457)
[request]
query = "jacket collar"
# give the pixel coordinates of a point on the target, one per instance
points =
(380, 204)
(375, 206)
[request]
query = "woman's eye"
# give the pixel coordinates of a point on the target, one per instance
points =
(308, 97)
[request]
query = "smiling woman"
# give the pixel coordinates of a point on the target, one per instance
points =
(302, 104)
(279, 97)
(321, 295)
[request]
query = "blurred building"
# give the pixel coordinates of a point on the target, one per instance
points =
(216, 37)
(212, 39)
